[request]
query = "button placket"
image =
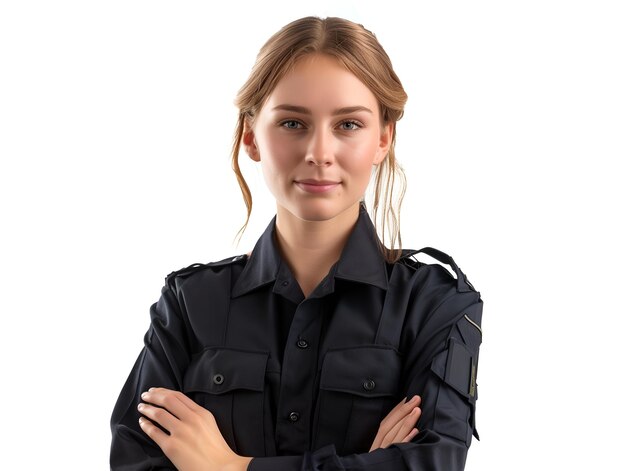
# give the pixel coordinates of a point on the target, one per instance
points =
(296, 388)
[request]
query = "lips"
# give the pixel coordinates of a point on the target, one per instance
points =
(316, 186)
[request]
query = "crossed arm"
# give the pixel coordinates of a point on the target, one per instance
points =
(194, 441)
(437, 368)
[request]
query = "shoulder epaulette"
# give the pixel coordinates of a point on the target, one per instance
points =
(407, 259)
(463, 284)
(201, 266)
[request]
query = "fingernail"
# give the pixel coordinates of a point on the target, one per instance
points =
(140, 406)
(150, 389)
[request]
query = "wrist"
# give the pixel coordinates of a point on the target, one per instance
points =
(240, 463)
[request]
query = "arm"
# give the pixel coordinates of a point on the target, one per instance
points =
(194, 436)
(194, 440)
(438, 446)
(440, 367)
(161, 362)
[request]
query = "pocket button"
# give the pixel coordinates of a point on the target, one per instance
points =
(218, 378)
(369, 385)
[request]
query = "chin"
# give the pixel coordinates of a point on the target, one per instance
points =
(319, 211)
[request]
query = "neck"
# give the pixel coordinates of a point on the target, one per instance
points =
(310, 248)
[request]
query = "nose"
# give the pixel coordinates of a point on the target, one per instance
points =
(319, 151)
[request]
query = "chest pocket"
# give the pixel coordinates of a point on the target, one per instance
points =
(231, 384)
(357, 389)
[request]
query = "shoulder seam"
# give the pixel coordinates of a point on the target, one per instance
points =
(194, 267)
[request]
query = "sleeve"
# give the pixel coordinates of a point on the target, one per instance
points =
(161, 363)
(441, 367)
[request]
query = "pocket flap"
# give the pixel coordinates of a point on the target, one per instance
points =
(456, 366)
(469, 327)
(220, 370)
(371, 371)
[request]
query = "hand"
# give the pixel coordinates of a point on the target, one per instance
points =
(398, 425)
(194, 442)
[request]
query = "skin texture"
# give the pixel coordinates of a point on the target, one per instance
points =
(317, 138)
(294, 145)
(195, 443)
(320, 124)
(399, 425)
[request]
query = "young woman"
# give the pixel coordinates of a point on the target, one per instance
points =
(321, 349)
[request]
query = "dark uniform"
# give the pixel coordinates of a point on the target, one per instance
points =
(303, 384)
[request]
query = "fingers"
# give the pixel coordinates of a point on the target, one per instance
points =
(168, 399)
(410, 436)
(153, 431)
(401, 431)
(187, 401)
(400, 411)
(167, 407)
(396, 414)
(394, 419)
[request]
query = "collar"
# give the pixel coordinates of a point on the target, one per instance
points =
(361, 261)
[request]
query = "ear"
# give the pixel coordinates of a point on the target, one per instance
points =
(386, 136)
(249, 142)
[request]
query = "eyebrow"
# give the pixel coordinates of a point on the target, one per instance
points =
(339, 111)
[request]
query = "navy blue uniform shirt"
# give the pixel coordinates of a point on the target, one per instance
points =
(303, 383)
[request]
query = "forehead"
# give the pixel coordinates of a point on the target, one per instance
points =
(321, 83)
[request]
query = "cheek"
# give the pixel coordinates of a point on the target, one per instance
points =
(359, 158)
(279, 157)
(278, 150)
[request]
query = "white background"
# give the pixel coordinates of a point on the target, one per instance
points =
(116, 120)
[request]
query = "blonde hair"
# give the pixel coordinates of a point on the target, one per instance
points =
(358, 50)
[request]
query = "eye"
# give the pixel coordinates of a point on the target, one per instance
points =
(291, 124)
(350, 125)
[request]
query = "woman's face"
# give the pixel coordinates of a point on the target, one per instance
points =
(317, 137)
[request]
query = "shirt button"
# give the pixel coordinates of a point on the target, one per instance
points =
(294, 416)
(303, 343)
(285, 283)
(369, 384)
(218, 379)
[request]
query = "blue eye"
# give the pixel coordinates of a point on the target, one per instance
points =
(291, 124)
(350, 125)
